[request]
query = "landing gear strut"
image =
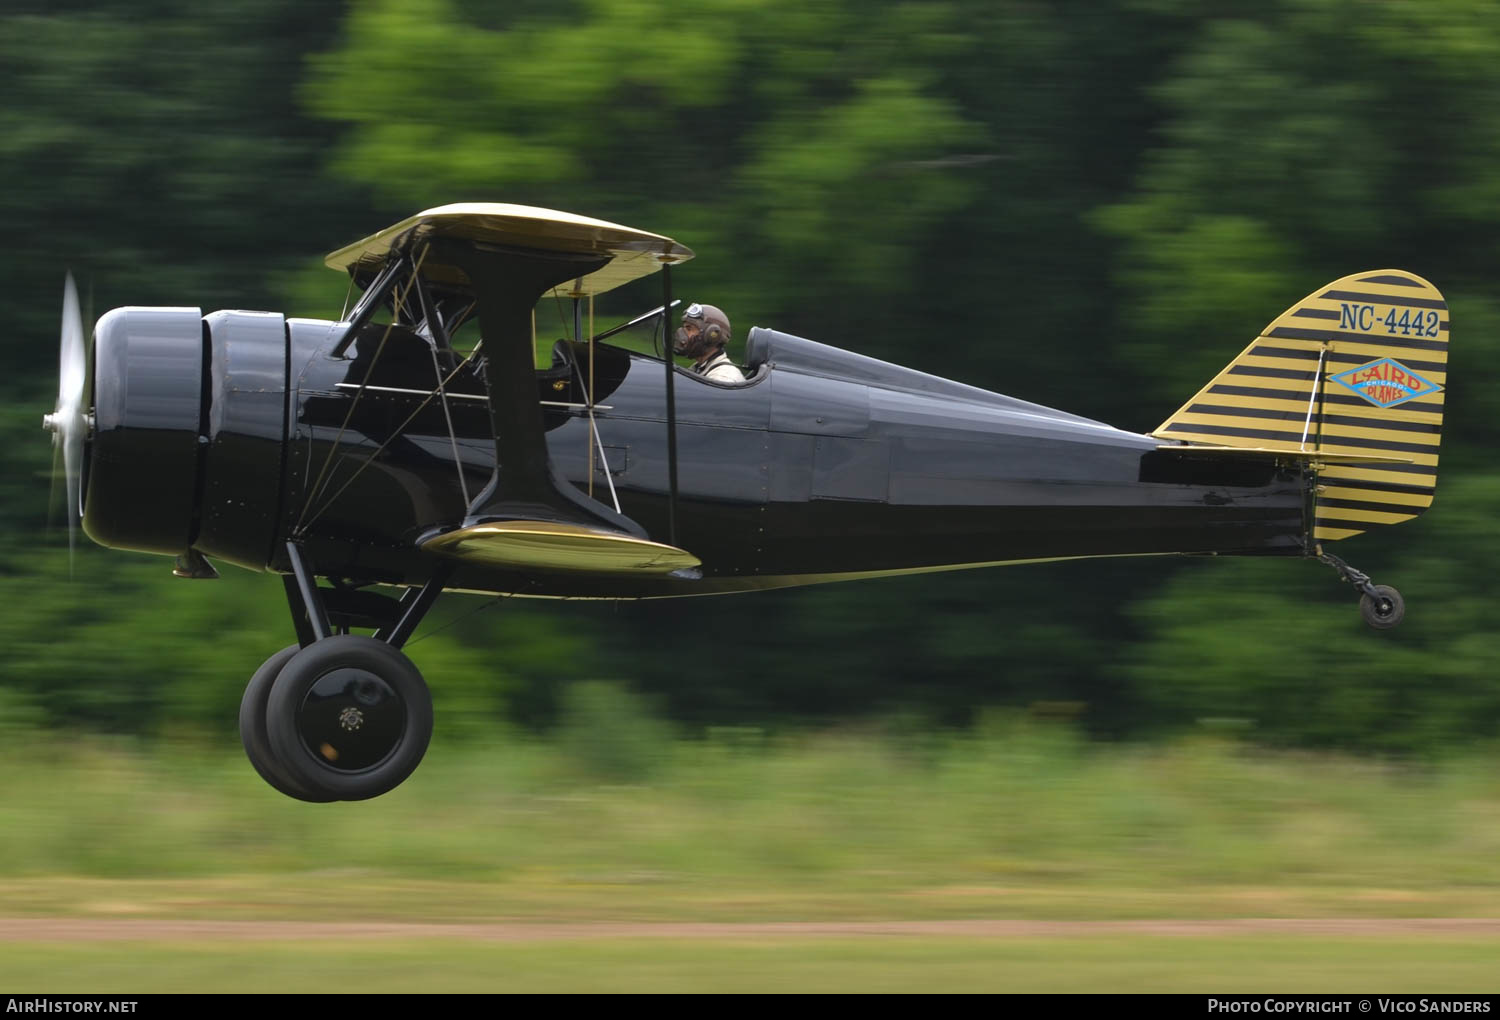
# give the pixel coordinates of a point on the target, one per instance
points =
(1381, 605)
(340, 716)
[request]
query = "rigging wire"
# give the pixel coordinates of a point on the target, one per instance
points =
(588, 392)
(397, 308)
(348, 291)
(394, 435)
(460, 619)
(458, 463)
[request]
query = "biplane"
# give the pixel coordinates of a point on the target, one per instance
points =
(374, 463)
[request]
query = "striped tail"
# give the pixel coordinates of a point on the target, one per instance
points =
(1350, 379)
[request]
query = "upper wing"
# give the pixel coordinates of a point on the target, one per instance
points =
(632, 253)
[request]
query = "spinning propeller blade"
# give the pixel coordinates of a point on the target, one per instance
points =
(67, 422)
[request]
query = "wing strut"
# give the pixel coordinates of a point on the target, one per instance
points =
(525, 486)
(666, 356)
(368, 303)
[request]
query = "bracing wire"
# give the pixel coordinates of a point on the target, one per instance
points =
(497, 600)
(397, 432)
(458, 463)
(397, 308)
(348, 292)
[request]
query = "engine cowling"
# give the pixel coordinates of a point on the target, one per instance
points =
(189, 427)
(141, 464)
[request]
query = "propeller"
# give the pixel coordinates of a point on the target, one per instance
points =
(68, 422)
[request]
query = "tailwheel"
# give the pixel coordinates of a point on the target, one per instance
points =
(1383, 608)
(258, 742)
(349, 717)
(1381, 605)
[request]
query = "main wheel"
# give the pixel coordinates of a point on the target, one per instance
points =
(253, 730)
(349, 717)
(1385, 609)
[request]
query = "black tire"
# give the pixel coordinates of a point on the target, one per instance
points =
(1385, 609)
(253, 730)
(349, 717)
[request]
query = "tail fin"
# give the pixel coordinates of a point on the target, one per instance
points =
(1350, 378)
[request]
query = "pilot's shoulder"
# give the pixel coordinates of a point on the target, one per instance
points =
(724, 372)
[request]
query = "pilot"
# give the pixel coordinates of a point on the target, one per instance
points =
(702, 336)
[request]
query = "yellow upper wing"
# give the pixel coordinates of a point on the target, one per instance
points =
(633, 253)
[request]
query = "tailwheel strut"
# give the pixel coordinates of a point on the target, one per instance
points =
(1380, 604)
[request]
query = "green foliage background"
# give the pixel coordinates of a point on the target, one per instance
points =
(1090, 206)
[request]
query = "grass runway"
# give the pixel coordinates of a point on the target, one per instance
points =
(1271, 963)
(1008, 825)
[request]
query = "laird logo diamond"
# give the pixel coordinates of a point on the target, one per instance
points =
(1386, 383)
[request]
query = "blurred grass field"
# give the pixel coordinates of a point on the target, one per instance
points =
(869, 966)
(1010, 820)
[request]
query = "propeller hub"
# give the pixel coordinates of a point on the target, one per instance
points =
(64, 421)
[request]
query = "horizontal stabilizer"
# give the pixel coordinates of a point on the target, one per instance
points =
(547, 545)
(1322, 456)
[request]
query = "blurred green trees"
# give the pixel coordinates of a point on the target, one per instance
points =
(1091, 208)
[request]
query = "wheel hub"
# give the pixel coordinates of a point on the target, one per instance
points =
(351, 719)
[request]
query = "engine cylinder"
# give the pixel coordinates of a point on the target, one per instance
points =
(141, 464)
(245, 427)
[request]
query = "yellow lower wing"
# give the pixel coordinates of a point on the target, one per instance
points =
(544, 545)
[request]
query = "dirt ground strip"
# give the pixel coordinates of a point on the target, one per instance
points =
(85, 930)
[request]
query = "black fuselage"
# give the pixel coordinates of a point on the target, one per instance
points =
(824, 465)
